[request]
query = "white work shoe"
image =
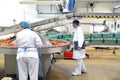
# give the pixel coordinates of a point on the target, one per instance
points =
(76, 74)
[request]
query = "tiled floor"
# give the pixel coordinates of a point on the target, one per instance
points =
(98, 69)
(102, 65)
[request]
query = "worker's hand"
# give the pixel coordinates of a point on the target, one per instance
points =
(79, 48)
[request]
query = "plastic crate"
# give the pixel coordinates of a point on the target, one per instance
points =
(88, 40)
(87, 35)
(110, 40)
(71, 35)
(96, 35)
(108, 35)
(68, 54)
(66, 35)
(118, 40)
(117, 34)
(52, 36)
(59, 36)
(97, 40)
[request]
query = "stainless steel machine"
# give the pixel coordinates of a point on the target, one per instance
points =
(45, 53)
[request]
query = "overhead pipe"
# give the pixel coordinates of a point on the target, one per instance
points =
(58, 18)
(42, 2)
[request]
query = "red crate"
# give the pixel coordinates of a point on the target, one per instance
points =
(68, 54)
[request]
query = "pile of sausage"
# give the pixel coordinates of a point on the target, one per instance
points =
(8, 42)
(58, 43)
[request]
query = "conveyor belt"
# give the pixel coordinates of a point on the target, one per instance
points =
(56, 19)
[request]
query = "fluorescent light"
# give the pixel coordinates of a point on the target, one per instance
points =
(118, 6)
(41, 2)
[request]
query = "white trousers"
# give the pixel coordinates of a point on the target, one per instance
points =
(80, 67)
(28, 66)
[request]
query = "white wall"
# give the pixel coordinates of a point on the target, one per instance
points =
(99, 7)
(11, 9)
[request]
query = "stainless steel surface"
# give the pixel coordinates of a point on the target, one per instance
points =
(43, 50)
(8, 30)
(53, 50)
(8, 50)
(44, 40)
(10, 63)
(12, 28)
(47, 47)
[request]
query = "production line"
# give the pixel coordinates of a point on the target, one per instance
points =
(45, 52)
(96, 40)
(102, 40)
(45, 56)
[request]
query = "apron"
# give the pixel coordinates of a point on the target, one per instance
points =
(78, 54)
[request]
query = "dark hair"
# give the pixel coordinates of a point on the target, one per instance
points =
(76, 22)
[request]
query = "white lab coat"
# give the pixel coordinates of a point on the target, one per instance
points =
(79, 55)
(79, 36)
(27, 54)
(27, 38)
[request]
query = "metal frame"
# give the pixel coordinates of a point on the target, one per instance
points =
(42, 2)
(58, 18)
(99, 1)
(116, 7)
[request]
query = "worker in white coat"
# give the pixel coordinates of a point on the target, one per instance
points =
(27, 54)
(79, 48)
